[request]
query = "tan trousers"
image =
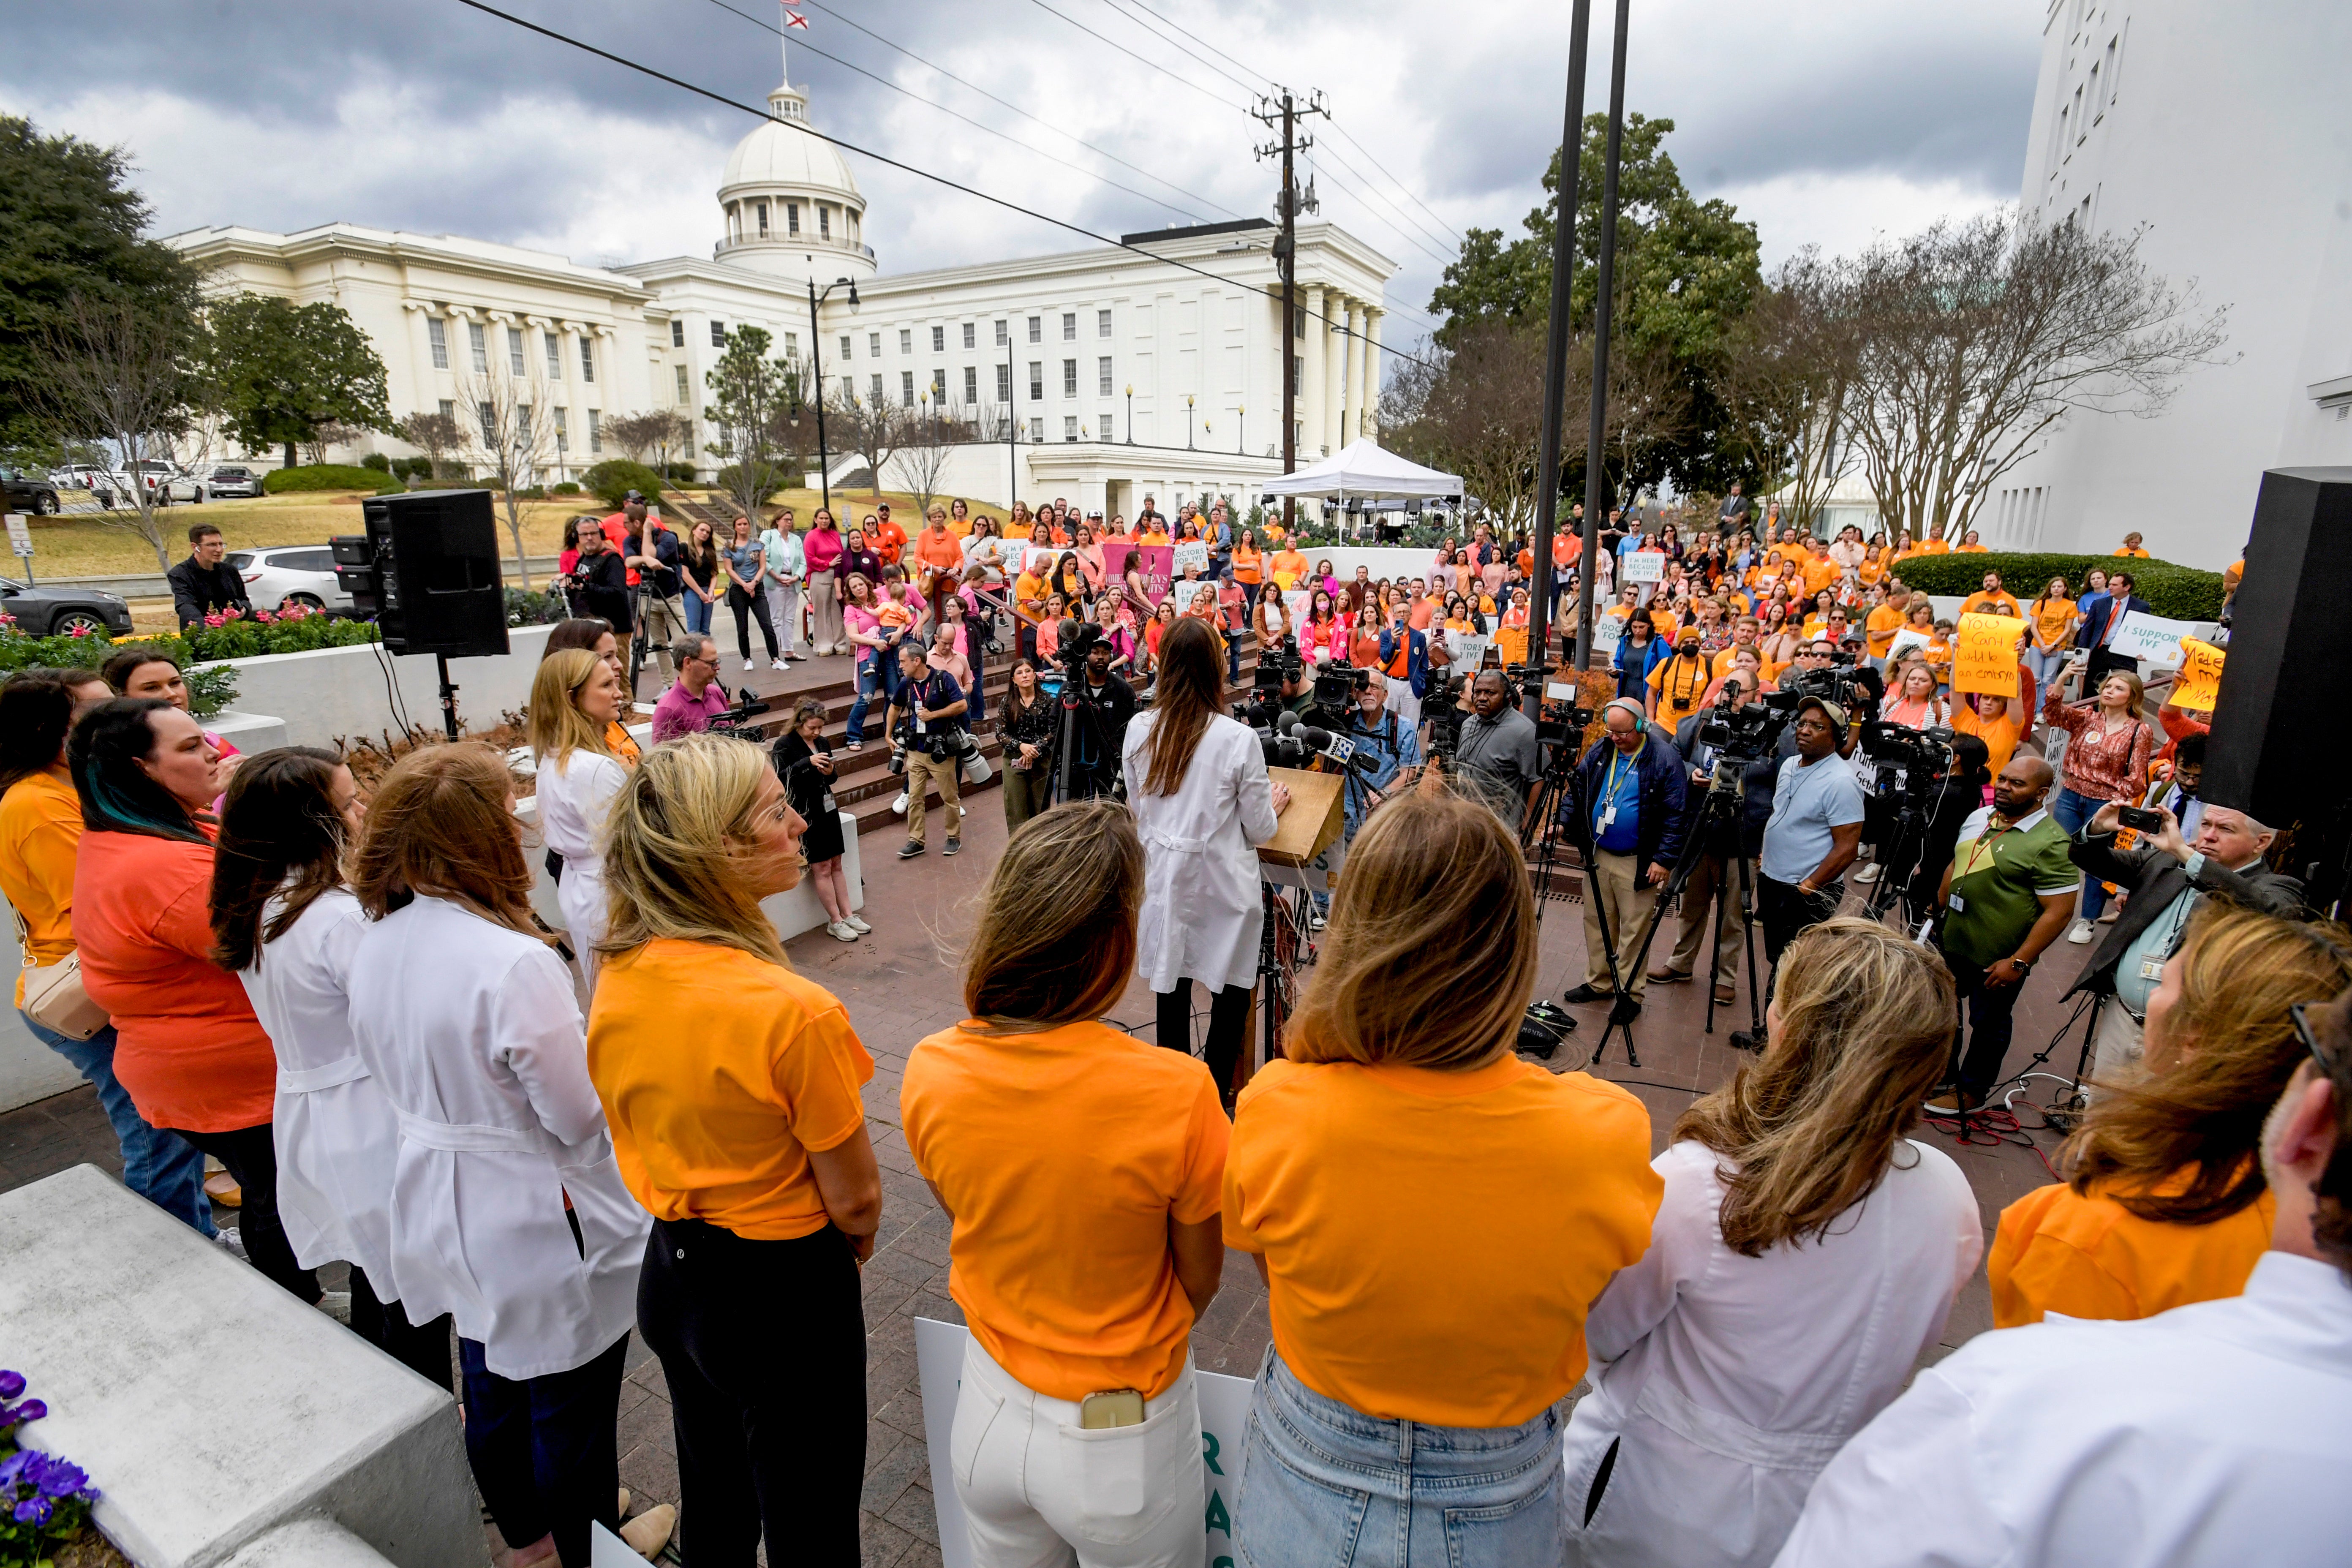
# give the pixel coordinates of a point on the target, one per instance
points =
(2115, 1046)
(1616, 880)
(1699, 919)
(664, 623)
(825, 631)
(920, 773)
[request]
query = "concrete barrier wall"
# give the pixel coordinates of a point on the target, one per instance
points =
(333, 693)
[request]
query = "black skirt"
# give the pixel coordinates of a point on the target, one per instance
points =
(810, 791)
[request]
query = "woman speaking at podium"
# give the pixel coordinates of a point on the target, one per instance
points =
(1197, 784)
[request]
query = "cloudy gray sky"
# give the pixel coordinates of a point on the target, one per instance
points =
(1823, 121)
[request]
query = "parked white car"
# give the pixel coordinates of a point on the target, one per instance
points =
(295, 573)
(234, 480)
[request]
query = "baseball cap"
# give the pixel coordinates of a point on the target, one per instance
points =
(633, 495)
(1830, 711)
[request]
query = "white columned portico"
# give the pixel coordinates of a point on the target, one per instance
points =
(1372, 317)
(1312, 387)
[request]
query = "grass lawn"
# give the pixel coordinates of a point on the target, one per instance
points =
(87, 544)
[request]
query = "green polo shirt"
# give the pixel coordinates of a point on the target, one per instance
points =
(2000, 873)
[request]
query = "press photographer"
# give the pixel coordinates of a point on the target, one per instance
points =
(1634, 799)
(1390, 744)
(927, 718)
(1752, 740)
(1094, 707)
(1814, 832)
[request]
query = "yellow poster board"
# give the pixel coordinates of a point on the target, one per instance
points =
(1986, 657)
(2200, 686)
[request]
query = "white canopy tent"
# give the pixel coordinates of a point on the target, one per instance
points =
(1363, 471)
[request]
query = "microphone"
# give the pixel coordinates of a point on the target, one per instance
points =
(1286, 722)
(1067, 633)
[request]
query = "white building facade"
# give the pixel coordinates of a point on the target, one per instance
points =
(1113, 372)
(2223, 130)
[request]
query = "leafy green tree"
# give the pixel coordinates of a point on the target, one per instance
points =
(69, 227)
(1688, 272)
(752, 396)
(285, 369)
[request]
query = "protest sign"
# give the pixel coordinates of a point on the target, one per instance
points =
(1645, 566)
(1986, 657)
(2151, 639)
(2200, 676)
(1193, 553)
(1155, 563)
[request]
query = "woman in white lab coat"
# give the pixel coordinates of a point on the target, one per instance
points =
(287, 925)
(1805, 1254)
(508, 1208)
(1196, 781)
(575, 698)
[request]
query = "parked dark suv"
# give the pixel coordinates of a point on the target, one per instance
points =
(42, 611)
(28, 493)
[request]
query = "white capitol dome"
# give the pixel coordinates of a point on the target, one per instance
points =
(791, 205)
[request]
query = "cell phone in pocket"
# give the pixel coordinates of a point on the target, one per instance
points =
(2140, 819)
(1112, 1408)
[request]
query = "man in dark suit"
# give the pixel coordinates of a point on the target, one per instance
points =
(2167, 875)
(2101, 621)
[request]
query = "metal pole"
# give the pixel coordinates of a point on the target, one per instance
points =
(1289, 259)
(1563, 262)
(816, 351)
(1604, 281)
(1012, 426)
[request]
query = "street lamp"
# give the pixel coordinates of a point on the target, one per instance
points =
(1240, 429)
(816, 351)
(1130, 415)
(1187, 422)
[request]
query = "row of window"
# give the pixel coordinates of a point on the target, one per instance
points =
(791, 340)
(518, 360)
(971, 335)
(487, 412)
(759, 213)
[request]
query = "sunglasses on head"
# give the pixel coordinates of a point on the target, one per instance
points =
(2310, 1038)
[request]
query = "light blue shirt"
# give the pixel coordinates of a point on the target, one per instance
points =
(2154, 945)
(1807, 803)
(785, 558)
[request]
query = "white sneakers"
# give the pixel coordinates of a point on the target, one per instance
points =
(1869, 873)
(780, 661)
(842, 931)
(898, 807)
(2081, 932)
(854, 923)
(748, 664)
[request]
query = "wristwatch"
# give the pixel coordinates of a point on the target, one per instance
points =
(2024, 963)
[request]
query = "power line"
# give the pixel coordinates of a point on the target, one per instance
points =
(1130, 54)
(1202, 41)
(1178, 39)
(1453, 232)
(974, 87)
(968, 119)
(1410, 235)
(885, 159)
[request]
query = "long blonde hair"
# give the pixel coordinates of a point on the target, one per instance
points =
(1428, 862)
(1055, 933)
(1807, 1132)
(557, 727)
(2202, 1116)
(673, 842)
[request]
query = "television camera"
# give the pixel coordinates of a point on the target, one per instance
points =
(738, 720)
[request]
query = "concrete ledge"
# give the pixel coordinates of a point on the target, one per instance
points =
(210, 1406)
(329, 693)
(310, 1544)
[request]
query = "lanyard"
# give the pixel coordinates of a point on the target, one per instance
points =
(1981, 852)
(1608, 801)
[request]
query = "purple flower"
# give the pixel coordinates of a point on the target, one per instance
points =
(32, 1410)
(62, 1479)
(12, 1466)
(12, 1383)
(35, 1510)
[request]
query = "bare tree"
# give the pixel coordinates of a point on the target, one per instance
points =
(1972, 340)
(120, 372)
(929, 443)
(1475, 410)
(512, 434)
(325, 434)
(873, 430)
(1783, 382)
(438, 435)
(633, 433)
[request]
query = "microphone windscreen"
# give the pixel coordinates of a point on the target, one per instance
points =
(1287, 722)
(1067, 632)
(1313, 739)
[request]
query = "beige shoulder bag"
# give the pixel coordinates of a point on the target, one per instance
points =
(54, 996)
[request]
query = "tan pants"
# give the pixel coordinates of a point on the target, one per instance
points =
(825, 632)
(2115, 1046)
(664, 623)
(920, 772)
(1699, 919)
(1617, 880)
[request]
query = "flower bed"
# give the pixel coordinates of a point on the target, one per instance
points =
(44, 1498)
(226, 635)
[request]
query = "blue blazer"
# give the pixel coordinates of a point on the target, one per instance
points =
(1416, 659)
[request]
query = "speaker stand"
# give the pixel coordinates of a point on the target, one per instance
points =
(449, 696)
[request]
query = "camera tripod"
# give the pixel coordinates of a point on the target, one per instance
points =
(1081, 714)
(1562, 798)
(1719, 819)
(1907, 848)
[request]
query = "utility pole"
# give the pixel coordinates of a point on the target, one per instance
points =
(1563, 262)
(1603, 298)
(1288, 203)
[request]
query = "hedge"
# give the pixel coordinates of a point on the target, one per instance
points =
(209, 690)
(609, 480)
(2177, 593)
(328, 477)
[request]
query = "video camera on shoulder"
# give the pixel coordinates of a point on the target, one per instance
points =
(738, 719)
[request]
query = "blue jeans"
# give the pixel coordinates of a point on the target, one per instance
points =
(2046, 664)
(869, 683)
(1325, 1484)
(161, 1167)
(2072, 812)
(697, 613)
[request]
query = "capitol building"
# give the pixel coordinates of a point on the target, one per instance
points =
(1118, 372)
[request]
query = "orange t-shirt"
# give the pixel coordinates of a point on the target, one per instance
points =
(1721, 663)
(1245, 565)
(187, 1045)
(714, 1111)
(1820, 572)
(40, 825)
(1153, 536)
(1352, 1181)
(887, 539)
(1421, 614)
(939, 550)
(2134, 554)
(1999, 604)
(1934, 547)
(1879, 628)
(1973, 549)
(2058, 1251)
(1063, 1156)
(1999, 735)
(1287, 567)
(2052, 623)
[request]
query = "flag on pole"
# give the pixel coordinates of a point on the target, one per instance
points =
(795, 19)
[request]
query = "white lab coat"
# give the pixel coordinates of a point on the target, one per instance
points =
(333, 1130)
(474, 1032)
(1729, 1380)
(574, 794)
(2214, 1435)
(1202, 914)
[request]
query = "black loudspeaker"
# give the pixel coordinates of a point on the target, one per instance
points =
(2273, 753)
(434, 569)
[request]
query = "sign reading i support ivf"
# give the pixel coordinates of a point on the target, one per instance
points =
(1224, 1406)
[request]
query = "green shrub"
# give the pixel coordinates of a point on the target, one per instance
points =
(412, 468)
(525, 609)
(377, 461)
(609, 480)
(678, 473)
(327, 476)
(566, 489)
(2177, 593)
(772, 477)
(209, 690)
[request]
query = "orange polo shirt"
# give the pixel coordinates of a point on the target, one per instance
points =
(187, 1045)
(1063, 1155)
(2059, 1251)
(1409, 1282)
(1879, 627)
(40, 825)
(714, 1114)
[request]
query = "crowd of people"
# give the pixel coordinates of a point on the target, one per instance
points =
(515, 1140)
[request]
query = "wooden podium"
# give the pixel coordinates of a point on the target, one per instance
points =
(1311, 822)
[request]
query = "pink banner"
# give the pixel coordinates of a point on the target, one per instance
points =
(1155, 564)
